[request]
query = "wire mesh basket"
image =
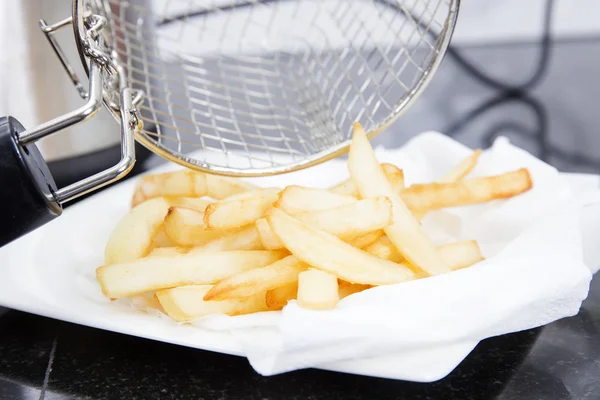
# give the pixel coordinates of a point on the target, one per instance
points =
(263, 87)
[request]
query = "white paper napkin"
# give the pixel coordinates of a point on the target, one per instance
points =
(534, 272)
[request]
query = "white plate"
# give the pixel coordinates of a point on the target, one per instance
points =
(51, 272)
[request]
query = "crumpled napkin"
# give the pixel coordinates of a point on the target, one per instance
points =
(535, 270)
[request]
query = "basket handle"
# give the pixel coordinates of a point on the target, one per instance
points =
(30, 197)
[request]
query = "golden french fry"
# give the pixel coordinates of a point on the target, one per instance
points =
(458, 173)
(278, 298)
(167, 251)
(146, 301)
(162, 239)
(462, 169)
(232, 214)
(393, 174)
(185, 303)
(385, 249)
(269, 240)
(317, 290)
(433, 196)
(362, 241)
(258, 280)
(185, 227)
(345, 188)
(352, 222)
(345, 289)
(457, 255)
(297, 199)
(324, 251)
(461, 254)
(245, 239)
(220, 187)
(193, 268)
(195, 203)
(133, 236)
(405, 232)
(179, 183)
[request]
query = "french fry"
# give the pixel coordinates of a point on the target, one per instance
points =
(345, 188)
(185, 227)
(433, 196)
(455, 175)
(258, 280)
(220, 187)
(353, 221)
(460, 255)
(162, 239)
(269, 240)
(193, 268)
(345, 289)
(167, 251)
(324, 251)
(278, 298)
(146, 301)
(385, 249)
(133, 236)
(317, 290)
(297, 199)
(180, 183)
(362, 241)
(245, 239)
(186, 303)
(195, 203)
(394, 175)
(462, 169)
(457, 255)
(405, 232)
(232, 214)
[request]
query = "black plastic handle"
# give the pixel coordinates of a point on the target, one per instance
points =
(27, 188)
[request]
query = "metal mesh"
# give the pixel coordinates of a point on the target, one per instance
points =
(255, 87)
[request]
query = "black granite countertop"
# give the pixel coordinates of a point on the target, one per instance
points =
(557, 121)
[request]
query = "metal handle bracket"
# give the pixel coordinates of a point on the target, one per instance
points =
(48, 31)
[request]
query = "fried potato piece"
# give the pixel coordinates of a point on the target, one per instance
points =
(186, 303)
(193, 268)
(346, 222)
(462, 169)
(186, 227)
(457, 255)
(258, 280)
(179, 183)
(433, 196)
(405, 232)
(133, 236)
(364, 240)
(162, 239)
(221, 187)
(317, 290)
(245, 239)
(345, 289)
(394, 175)
(194, 203)
(168, 251)
(278, 298)
(324, 251)
(236, 213)
(297, 199)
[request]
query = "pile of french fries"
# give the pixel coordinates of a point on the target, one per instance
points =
(198, 244)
